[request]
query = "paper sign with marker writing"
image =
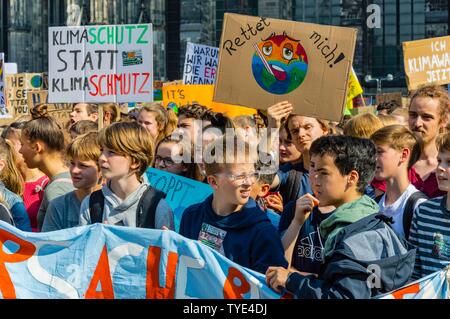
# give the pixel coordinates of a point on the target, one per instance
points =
(200, 65)
(106, 63)
(175, 96)
(264, 61)
(427, 61)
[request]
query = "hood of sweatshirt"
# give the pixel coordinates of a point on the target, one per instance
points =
(249, 215)
(345, 215)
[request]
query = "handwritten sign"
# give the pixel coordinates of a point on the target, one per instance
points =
(59, 111)
(264, 61)
(200, 65)
(107, 63)
(181, 192)
(17, 88)
(427, 61)
(179, 95)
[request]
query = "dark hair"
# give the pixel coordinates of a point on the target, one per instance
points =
(219, 121)
(195, 111)
(349, 153)
(83, 127)
(14, 126)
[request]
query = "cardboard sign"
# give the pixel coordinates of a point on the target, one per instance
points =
(59, 111)
(107, 63)
(17, 88)
(175, 96)
(427, 61)
(264, 61)
(3, 110)
(388, 97)
(200, 65)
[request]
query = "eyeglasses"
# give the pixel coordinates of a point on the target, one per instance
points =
(166, 160)
(241, 178)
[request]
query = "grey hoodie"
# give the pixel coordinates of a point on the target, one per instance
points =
(123, 212)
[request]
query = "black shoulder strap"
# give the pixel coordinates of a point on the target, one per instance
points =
(96, 205)
(378, 198)
(5, 215)
(409, 210)
(290, 189)
(146, 210)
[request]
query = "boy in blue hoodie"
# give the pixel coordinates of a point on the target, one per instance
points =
(363, 256)
(229, 220)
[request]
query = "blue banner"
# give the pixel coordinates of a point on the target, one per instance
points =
(104, 261)
(181, 192)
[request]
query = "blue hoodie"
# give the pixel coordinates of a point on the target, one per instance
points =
(246, 237)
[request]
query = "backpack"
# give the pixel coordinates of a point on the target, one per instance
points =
(5, 215)
(289, 190)
(146, 209)
(408, 211)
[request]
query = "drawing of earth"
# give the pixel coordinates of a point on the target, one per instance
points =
(286, 58)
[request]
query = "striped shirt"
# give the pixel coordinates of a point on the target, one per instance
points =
(430, 233)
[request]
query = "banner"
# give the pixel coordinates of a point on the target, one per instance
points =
(181, 192)
(200, 64)
(427, 61)
(3, 110)
(105, 63)
(433, 286)
(264, 61)
(104, 261)
(396, 97)
(175, 96)
(17, 88)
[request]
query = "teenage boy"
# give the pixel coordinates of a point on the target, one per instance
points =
(363, 255)
(428, 111)
(397, 151)
(229, 220)
(127, 151)
(64, 211)
(430, 229)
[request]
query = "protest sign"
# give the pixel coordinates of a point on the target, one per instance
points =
(200, 64)
(175, 96)
(181, 192)
(106, 63)
(17, 88)
(427, 61)
(264, 61)
(10, 68)
(3, 110)
(395, 97)
(104, 261)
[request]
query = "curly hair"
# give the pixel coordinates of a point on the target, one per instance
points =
(435, 92)
(349, 153)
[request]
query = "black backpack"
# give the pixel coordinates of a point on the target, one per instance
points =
(146, 209)
(5, 215)
(408, 210)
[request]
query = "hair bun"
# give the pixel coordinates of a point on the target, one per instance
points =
(39, 111)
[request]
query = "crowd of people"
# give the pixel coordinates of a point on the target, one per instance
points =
(318, 207)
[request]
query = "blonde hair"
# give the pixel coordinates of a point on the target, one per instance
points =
(84, 147)
(443, 142)
(129, 139)
(362, 125)
(10, 175)
(399, 137)
(225, 151)
(113, 109)
(435, 92)
(388, 119)
(166, 119)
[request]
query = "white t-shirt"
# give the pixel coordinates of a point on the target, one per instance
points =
(396, 209)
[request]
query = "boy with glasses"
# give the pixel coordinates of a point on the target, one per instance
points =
(229, 220)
